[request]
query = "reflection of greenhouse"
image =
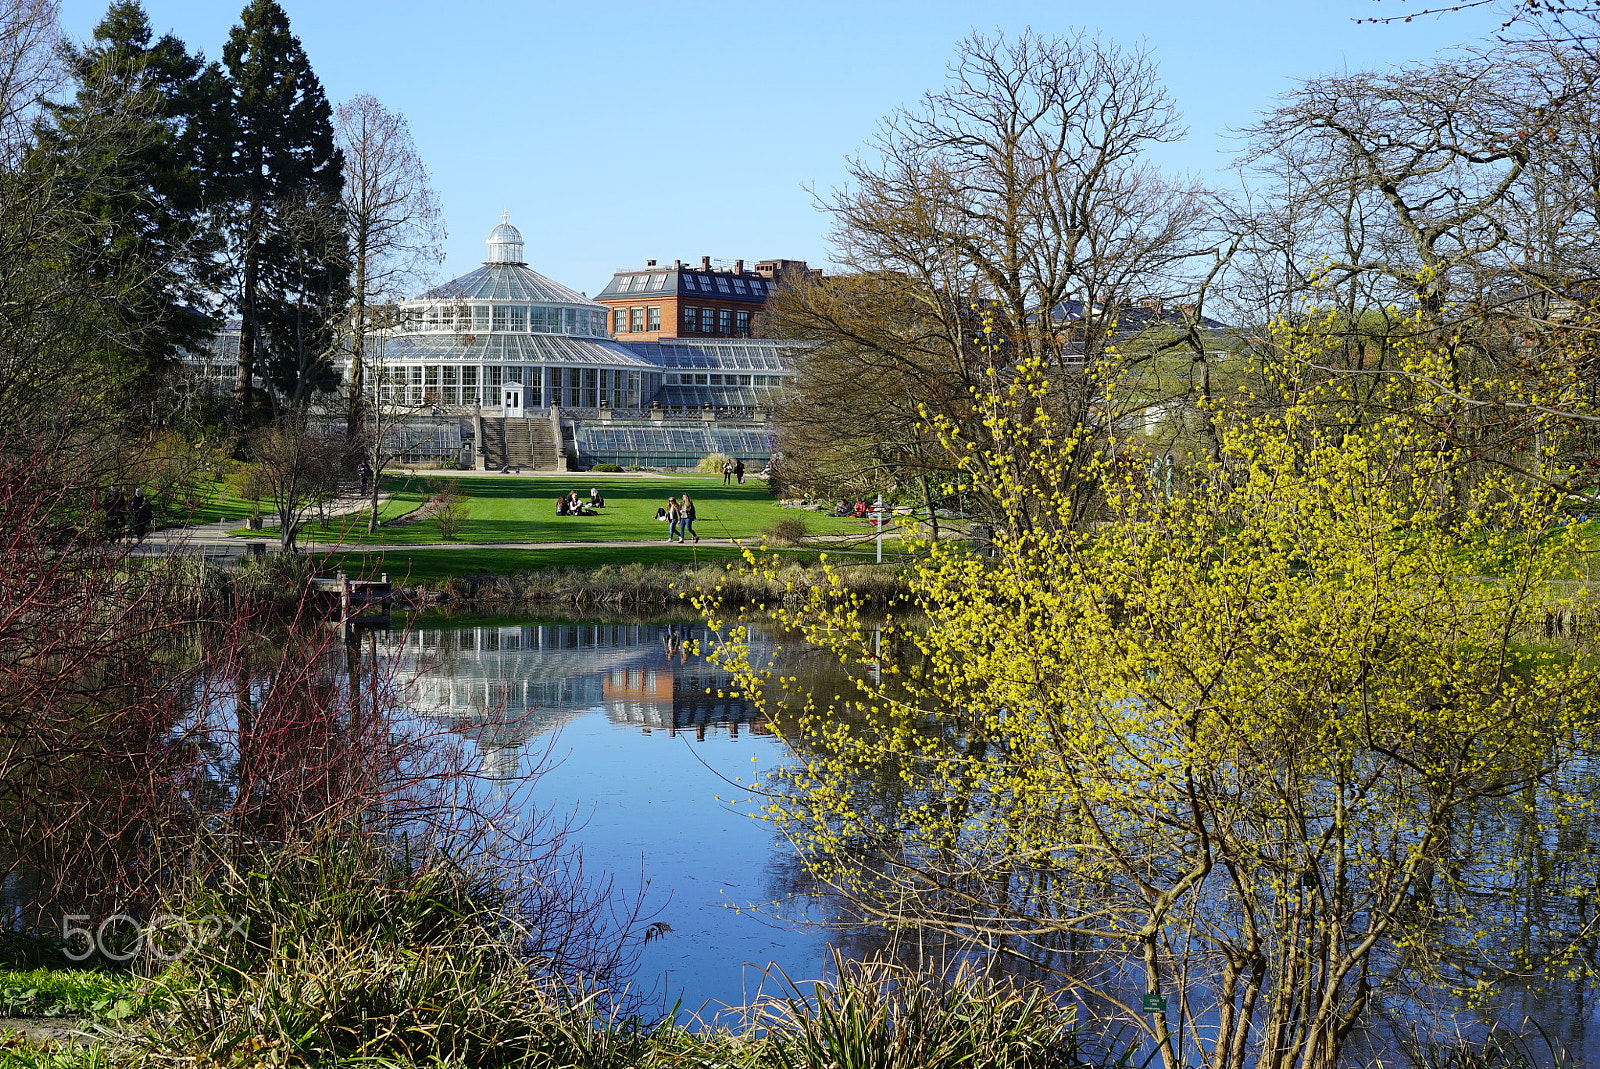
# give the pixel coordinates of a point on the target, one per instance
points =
(504, 686)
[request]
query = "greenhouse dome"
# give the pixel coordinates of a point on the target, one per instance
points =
(503, 323)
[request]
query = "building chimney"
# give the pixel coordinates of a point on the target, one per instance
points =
(677, 263)
(705, 263)
(649, 263)
(738, 267)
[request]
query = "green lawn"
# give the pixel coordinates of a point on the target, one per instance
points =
(216, 504)
(508, 508)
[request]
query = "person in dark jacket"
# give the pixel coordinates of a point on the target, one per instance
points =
(738, 471)
(116, 515)
(140, 514)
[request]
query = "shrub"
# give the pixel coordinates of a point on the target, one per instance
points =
(878, 1016)
(787, 531)
(344, 949)
(711, 463)
(449, 507)
(607, 467)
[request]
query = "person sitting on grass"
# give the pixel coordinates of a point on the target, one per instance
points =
(562, 508)
(575, 507)
(595, 500)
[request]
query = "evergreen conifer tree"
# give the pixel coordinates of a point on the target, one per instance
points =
(279, 173)
(140, 193)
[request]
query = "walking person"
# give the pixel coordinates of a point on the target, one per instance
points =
(674, 520)
(687, 508)
(738, 471)
(141, 514)
(727, 472)
(116, 515)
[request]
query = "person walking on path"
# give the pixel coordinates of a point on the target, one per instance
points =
(674, 520)
(116, 515)
(738, 471)
(141, 514)
(687, 508)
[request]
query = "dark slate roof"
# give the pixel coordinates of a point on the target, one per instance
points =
(508, 282)
(686, 282)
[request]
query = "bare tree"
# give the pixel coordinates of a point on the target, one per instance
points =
(393, 217)
(1448, 205)
(387, 432)
(31, 69)
(296, 468)
(1010, 217)
(1405, 174)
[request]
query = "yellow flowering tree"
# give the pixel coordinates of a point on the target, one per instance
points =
(1266, 745)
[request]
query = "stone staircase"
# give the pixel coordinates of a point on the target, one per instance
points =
(529, 444)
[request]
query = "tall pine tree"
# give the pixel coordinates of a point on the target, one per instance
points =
(140, 192)
(279, 174)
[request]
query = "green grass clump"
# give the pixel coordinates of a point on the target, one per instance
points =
(342, 950)
(878, 1016)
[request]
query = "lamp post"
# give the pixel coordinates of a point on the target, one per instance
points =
(878, 508)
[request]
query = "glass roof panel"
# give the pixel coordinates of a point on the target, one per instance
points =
(508, 282)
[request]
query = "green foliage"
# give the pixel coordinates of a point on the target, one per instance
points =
(67, 992)
(1236, 726)
(712, 463)
(347, 951)
(273, 578)
(19, 1052)
(335, 949)
(607, 467)
(154, 240)
(273, 163)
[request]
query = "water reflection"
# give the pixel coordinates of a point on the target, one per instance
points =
(501, 686)
(655, 753)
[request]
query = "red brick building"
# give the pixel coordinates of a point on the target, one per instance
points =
(685, 301)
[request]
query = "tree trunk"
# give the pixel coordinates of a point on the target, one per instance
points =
(244, 385)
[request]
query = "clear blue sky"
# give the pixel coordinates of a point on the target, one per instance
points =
(617, 132)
